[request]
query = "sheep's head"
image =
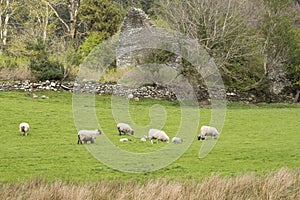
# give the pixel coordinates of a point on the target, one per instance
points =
(201, 137)
(132, 132)
(99, 131)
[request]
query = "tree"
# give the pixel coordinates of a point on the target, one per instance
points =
(100, 16)
(70, 24)
(279, 41)
(7, 11)
(226, 29)
(99, 21)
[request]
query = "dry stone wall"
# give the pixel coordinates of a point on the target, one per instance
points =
(147, 91)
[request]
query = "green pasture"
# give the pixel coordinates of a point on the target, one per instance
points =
(257, 139)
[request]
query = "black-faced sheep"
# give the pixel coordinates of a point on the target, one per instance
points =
(155, 134)
(24, 128)
(88, 135)
(124, 128)
(208, 131)
(177, 140)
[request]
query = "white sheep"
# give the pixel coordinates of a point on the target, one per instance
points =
(124, 128)
(125, 140)
(177, 140)
(24, 128)
(88, 135)
(158, 135)
(208, 131)
(144, 138)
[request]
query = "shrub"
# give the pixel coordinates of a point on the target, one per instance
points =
(46, 70)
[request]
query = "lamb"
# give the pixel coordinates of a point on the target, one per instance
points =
(208, 131)
(158, 135)
(24, 128)
(144, 138)
(124, 128)
(177, 140)
(88, 135)
(125, 140)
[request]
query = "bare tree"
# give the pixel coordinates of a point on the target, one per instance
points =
(225, 28)
(71, 24)
(7, 10)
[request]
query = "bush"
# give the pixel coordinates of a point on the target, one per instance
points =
(46, 70)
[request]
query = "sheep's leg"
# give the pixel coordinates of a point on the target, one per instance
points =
(79, 140)
(119, 131)
(92, 141)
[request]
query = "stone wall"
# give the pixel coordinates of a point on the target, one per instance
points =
(147, 91)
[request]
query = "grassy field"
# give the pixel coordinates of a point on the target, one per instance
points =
(257, 139)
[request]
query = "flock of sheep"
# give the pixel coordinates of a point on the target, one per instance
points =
(153, 134)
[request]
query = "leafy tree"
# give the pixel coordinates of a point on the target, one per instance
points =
(40, 65)
(100, 16)
(280, 40)
(100, 20)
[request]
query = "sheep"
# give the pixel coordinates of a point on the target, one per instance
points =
(88, 135)
(125, 140)
(158, 135)
(144, 138)
(208, 131)
(124, 128)
(177, 140)
(24, 128)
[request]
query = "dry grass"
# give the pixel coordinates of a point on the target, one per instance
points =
(19, 73)
(283, 184)
(114, 75)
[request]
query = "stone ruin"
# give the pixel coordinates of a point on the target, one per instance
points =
(135, 20)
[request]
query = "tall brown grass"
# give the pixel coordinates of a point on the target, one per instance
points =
(19, 73)
(283, 184)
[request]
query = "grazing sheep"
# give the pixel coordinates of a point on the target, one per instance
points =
(144, 138)
(125, 140)
(158, 135)
(124, 128)
(87, 135)
(208, 131)
(177, 140)
(24, 128)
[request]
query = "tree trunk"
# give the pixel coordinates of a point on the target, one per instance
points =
(297, 96)
(73, 11)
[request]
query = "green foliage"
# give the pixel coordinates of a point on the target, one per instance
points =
(293, 66)
(51, 151)
(100, 16)
(90, 42)
(8, 62)
(46, 70)
(40, 65)
(282, 37)
(12, 62)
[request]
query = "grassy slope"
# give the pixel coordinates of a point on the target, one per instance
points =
(253, 139)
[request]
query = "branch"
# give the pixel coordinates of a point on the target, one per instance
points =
(57, 15)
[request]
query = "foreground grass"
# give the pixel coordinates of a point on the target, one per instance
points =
(283, 184)
(254, 139)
